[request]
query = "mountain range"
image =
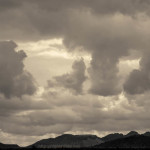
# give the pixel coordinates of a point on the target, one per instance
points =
(132, 139)
(135, 141)
(117, 140)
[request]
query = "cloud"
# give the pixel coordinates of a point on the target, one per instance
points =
(52, 18)
(77, 113)
(138, 81)
(70, 113)
(72, 81)
(9, 4)
(103, 73)
(106, 46)
(14, 81)
(107, 30)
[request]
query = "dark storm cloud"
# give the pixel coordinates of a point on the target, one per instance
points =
(106, 45)
(103, 72)
(138, 81)
(14, 81)
(106, 29)
(98, 6)
(9, 4)
(72, 81)
(52, 18)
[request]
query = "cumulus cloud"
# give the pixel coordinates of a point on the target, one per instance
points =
(72, 81)
(106, 46)
(103, 72)
(107, 30)
(14, 81)
(138, 81)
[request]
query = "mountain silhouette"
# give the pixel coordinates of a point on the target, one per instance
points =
(131, 133)
(134, 141)
(111, 137)
(117, 140)
(8, 146)
(147, 134)
(115, 136)
(69, 141)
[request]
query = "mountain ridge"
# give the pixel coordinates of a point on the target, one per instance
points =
(134, 141)
(131, 139)
(68, 141)
(78, 141)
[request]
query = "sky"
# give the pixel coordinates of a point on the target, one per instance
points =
(73, 66)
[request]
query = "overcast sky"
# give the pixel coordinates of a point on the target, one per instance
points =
(73, 66)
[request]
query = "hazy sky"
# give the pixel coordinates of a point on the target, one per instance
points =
(73, 66)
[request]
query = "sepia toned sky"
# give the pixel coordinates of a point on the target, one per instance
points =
(73, 66)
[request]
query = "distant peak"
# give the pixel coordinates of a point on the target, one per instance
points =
(87, 135)
(132, 133)
(112, 136)
(147, 134)
(65, 135)
(82, 135)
